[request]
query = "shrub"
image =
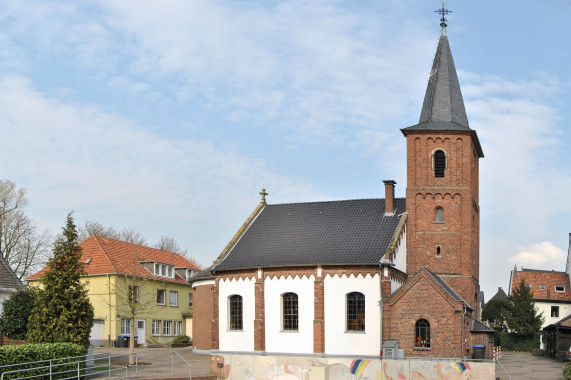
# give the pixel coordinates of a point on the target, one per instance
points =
(26, 353)
(515, 342)
(182, 339)
(567, 370)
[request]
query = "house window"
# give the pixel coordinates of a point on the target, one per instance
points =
(554, 311)
(528, 286)
(173, 298)
(133, 293)
(125, 326)
(161, 295)
(167, 325)
(422, 333)
(235, 312)
(439, 163)
(177, 327)
(190, 300)
(439, 215)
(355, 311)
(542, 286)
(559, 288)
(290, 311)
(156, 327)
(164, 270)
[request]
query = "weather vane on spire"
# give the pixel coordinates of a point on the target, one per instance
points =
(443, 11)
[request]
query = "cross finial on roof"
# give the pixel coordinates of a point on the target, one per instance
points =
(443, 12)
(263, 194)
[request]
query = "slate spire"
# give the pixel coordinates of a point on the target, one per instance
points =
(443, 107)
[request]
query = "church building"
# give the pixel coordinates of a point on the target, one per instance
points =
(368, 276)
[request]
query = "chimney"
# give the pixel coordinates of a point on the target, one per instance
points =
(389, 196)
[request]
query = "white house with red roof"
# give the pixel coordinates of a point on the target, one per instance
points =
(132, 282)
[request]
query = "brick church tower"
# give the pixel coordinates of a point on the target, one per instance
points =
(442, 184)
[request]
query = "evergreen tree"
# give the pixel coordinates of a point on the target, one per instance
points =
(62, 312)
(523, 317)
(15, 313)
(495, 314)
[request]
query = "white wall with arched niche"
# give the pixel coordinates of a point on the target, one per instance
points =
(277, 339)
(236, 340)
(339, 341)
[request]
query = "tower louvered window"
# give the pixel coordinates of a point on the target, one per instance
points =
(439, 163)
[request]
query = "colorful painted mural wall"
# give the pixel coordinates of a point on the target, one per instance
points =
(249, 367)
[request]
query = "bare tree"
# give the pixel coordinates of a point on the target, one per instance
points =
(169, 244)
(97, 229)
(21, 244)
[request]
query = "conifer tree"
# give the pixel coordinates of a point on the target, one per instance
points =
(523, 318)
(62, 311)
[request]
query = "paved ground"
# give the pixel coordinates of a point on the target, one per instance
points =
(523, 366)
(156, 363)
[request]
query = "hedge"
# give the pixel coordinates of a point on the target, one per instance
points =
(27, 353)
(567, 370)
(514, 342)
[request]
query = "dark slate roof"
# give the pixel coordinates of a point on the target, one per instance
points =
(317, 233)
(443, 108)
(8, 278)
(205, 274)
(479, 326)
(455, 296)
(500, 295)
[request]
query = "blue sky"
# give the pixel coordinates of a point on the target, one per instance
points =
(169, 117)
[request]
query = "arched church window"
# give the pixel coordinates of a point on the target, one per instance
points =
(439, 215)
(355, 311)
(422, 333)
(235, 311)
(439, 163)
(290, 319)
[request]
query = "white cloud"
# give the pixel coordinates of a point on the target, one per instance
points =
(74, 157)
(542, 255)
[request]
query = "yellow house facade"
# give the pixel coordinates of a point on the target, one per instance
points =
(135, 288)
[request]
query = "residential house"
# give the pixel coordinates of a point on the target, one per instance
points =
(9, 282)
(156, 281)
(354, 277)
(551, 290)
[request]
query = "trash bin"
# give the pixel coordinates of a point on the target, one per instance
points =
(123, 341)
(479, 351)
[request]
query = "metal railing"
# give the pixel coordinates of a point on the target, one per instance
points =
(184, 360)
(73, 367)
(506, 371)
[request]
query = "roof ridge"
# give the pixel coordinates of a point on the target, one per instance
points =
(332, 201)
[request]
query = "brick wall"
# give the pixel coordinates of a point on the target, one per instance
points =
(422, 298)
(451, 246)
(202, 316)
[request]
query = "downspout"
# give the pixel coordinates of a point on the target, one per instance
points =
(381, 307)
(462, 333)
(109, 307)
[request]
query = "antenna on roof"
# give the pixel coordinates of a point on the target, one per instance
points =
(443, 12)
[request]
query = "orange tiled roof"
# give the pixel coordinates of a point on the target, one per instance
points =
(109, 256)
(549, 279)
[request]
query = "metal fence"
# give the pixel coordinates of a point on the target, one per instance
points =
(85, 366)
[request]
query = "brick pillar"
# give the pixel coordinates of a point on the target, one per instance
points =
(386, 282)
(259, 321)
(318, 322)
(215, 316)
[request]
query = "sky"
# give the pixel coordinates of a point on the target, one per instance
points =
(169, 117)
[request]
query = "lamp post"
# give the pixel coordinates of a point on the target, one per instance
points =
(219, 365)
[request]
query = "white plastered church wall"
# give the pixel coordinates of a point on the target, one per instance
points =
(236, 340)
(278, 340)
(338, 341)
